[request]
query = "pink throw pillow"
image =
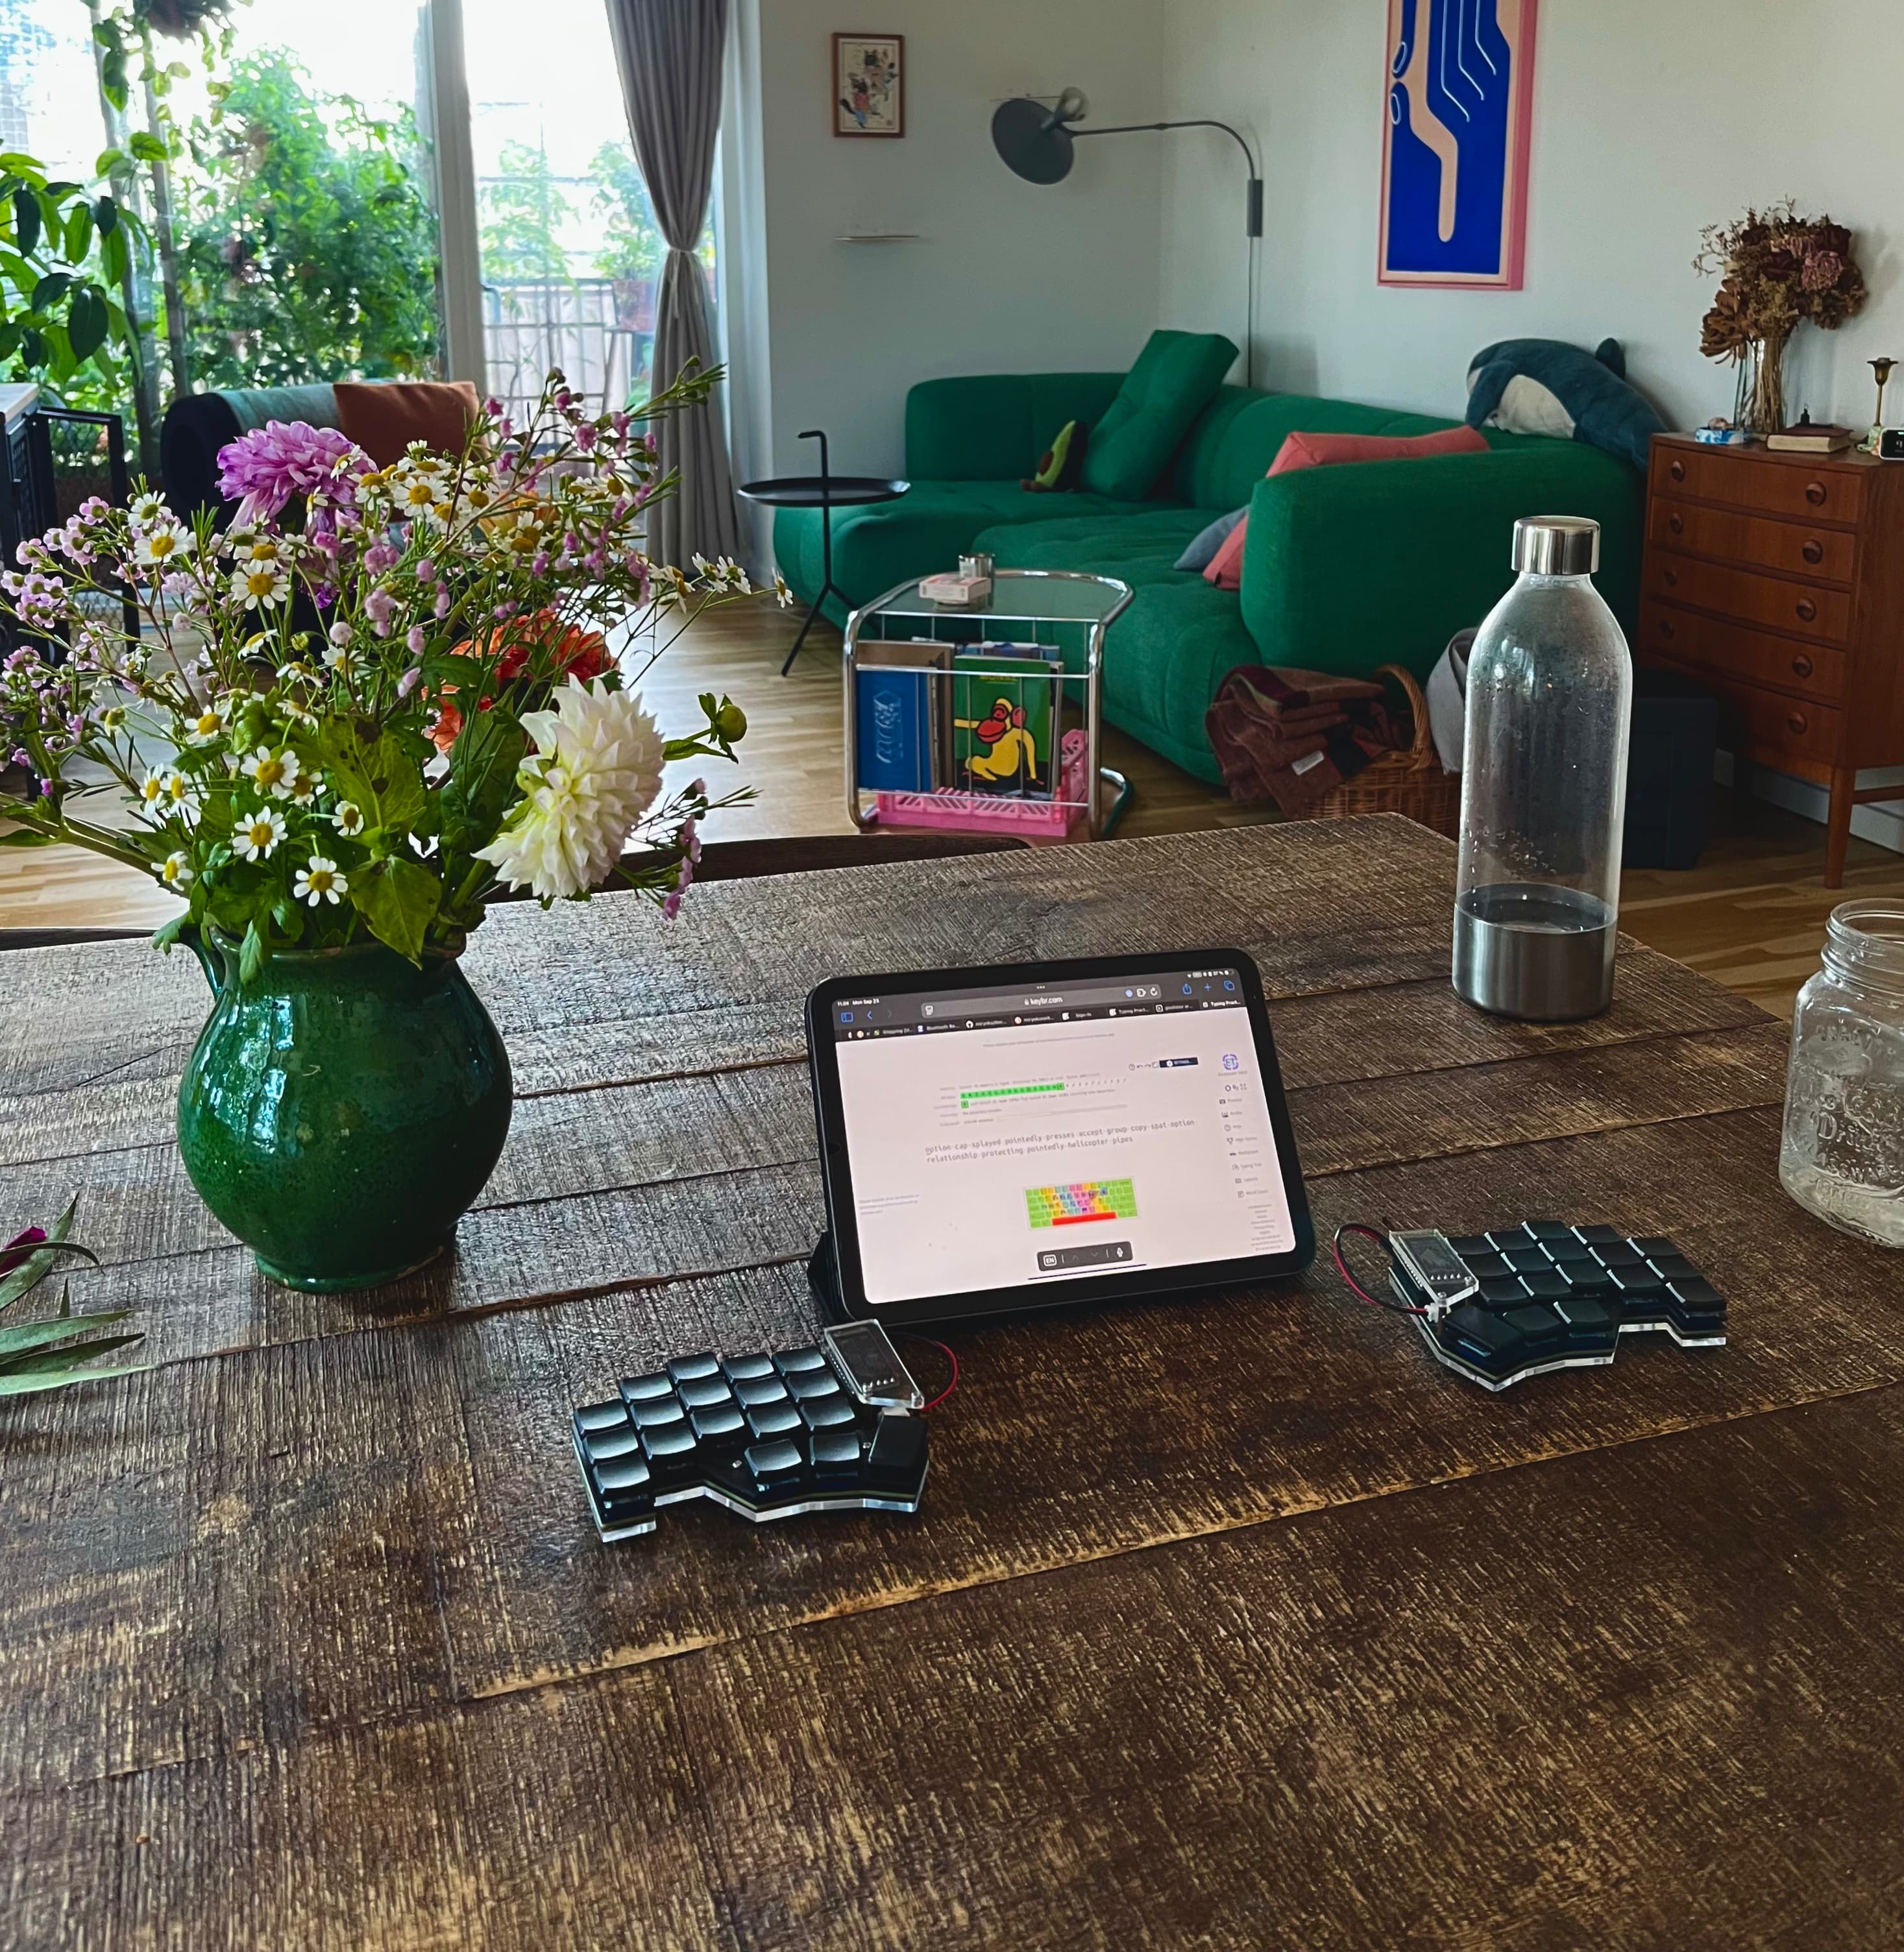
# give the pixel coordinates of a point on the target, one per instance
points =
(1326, 450)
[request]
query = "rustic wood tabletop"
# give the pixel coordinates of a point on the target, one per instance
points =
(1234, 1622)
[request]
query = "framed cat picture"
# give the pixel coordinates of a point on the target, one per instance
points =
(869, 84)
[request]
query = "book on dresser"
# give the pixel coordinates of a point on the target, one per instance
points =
(1777, 581)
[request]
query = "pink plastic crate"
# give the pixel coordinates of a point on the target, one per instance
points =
(953, 810)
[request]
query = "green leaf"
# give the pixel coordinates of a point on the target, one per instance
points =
(251, 954)
(113, 260)
(26, 1335)
(79, 232)
(168, 933)
(104, 164)
(50, 289)
(34, 1268)
(398, 899)
(26, 837)
(146, 148)
(481, 786)
(385, 782)
(26, 219)
(105, 214)
(33, 348)
(20, 1386)
(85, 322)
(73, 1354)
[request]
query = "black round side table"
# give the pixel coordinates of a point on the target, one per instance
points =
(825, 491)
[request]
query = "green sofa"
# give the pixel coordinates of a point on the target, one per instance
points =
(1345, 568)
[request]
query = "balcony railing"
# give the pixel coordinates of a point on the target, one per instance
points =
(599, 331)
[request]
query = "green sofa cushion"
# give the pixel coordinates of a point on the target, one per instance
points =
(1175, 377)
(992, 427)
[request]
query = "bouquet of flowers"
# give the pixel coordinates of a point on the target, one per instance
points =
(1776, 269)
(381, 694)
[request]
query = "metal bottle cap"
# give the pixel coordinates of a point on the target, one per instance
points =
(1557, 544)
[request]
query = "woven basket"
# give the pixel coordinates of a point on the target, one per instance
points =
(1411, 783)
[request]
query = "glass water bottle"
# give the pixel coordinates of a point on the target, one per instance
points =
(1543, 785)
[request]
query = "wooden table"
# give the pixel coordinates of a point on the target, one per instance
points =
(1235, 1622)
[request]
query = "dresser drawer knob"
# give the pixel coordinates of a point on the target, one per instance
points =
(1677, 523)
(1813, 550)
(1665, 628)
(1672, 578)
(1815, 493)
(1797, 722)
(1678, 470)
(1801, 665)
(1808, 611)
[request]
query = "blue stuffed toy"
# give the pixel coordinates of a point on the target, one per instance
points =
(1547, 386)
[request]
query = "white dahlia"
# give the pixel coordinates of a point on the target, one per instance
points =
(596, 769)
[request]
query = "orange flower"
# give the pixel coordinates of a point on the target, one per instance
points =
(521, 648)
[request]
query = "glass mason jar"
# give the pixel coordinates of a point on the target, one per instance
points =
(1543, 785)
(1842, 1152)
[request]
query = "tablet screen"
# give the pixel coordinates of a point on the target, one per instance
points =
(1002, 1137)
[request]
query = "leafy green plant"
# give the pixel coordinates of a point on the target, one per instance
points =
(307, 246)
(524, 207)
(632, 246)
(47, 1355)
(63, 252)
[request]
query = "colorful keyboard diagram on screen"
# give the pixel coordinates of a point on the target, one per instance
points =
(1082, 1200)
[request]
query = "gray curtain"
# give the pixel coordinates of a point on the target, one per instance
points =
(669, 53)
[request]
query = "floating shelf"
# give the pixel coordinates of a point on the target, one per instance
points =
(881, 237)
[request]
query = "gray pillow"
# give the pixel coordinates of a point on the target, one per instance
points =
(1203, 548)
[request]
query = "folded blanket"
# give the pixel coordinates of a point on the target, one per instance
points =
(1340, 725)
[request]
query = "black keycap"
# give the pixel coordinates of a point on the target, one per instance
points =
(658, 1416)
(1527, 1260)
(1547, 1230)
(754, 1391)
(673, 1453)
(705, 1392)
(1538, 1329)
(1507, 1237)
(747, 1369)
(1637, 1283)
(695, 1368)
(1508, 1292)
(1617, 1254)
(1698, 1296)
(600, 1416)
(1468, 1245)
(898, 1452)
(774, 1420)
(798, 1362)
(722, 1429)
(1598, 1236)
(625, 1488)
(837, 1458)
(604, 1446)
(646, 1389)
(1550, 1287)
(1673, 1268)
(1586, 1276)
(1653, 1245)
(1487, 1266)
(775, 1467)
(810, 1386)
(1476, 1335)
(1590, 1323)
(1568, 1249)
(832, 1413)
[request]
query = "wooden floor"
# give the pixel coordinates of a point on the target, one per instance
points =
(1751, 916)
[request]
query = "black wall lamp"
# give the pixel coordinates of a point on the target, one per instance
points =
(1034, 140)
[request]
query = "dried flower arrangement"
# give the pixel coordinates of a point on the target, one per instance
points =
(1777, 270)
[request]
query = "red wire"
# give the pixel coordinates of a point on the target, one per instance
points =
(950, 1358)
(1355, 1287)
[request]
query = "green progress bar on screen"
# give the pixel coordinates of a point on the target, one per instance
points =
(1007, 1091)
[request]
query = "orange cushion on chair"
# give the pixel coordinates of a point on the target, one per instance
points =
(1328, 450)
(384, 416)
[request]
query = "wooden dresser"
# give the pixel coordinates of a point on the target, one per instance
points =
(1777, 581)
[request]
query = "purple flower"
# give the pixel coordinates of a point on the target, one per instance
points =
(407, 684)
(272, 463)
(19, 1247)
(414, 640)
(691, 839)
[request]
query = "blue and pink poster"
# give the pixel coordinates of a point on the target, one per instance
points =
(1455, 142)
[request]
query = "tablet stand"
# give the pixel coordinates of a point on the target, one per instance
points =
(823, 1277)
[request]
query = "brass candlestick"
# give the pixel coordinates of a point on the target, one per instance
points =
(1883, 369)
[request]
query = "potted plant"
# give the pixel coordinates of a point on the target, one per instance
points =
(1777, 269)
(337, 802)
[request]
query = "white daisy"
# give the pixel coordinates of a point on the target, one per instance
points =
(163, 545)
(148, 509)
(256, 837)
(151, 790)
(273, 773)
(181, 798)
(207, 726)
(175, 870)
(348, 817)
(304, 789)
(255, 583)
(597, 769)
(320, 882)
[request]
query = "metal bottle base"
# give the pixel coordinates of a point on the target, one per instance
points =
(1527, 949)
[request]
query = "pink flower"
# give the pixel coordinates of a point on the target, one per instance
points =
(269, 465)
(414, 640)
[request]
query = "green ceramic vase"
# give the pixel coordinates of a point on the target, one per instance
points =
(342, 1110)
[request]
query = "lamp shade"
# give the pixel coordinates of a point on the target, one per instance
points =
(1032, 141)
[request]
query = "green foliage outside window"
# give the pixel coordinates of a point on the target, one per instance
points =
(308, 244)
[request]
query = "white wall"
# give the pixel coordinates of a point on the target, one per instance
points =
(1651, 118)
(1009, 276)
